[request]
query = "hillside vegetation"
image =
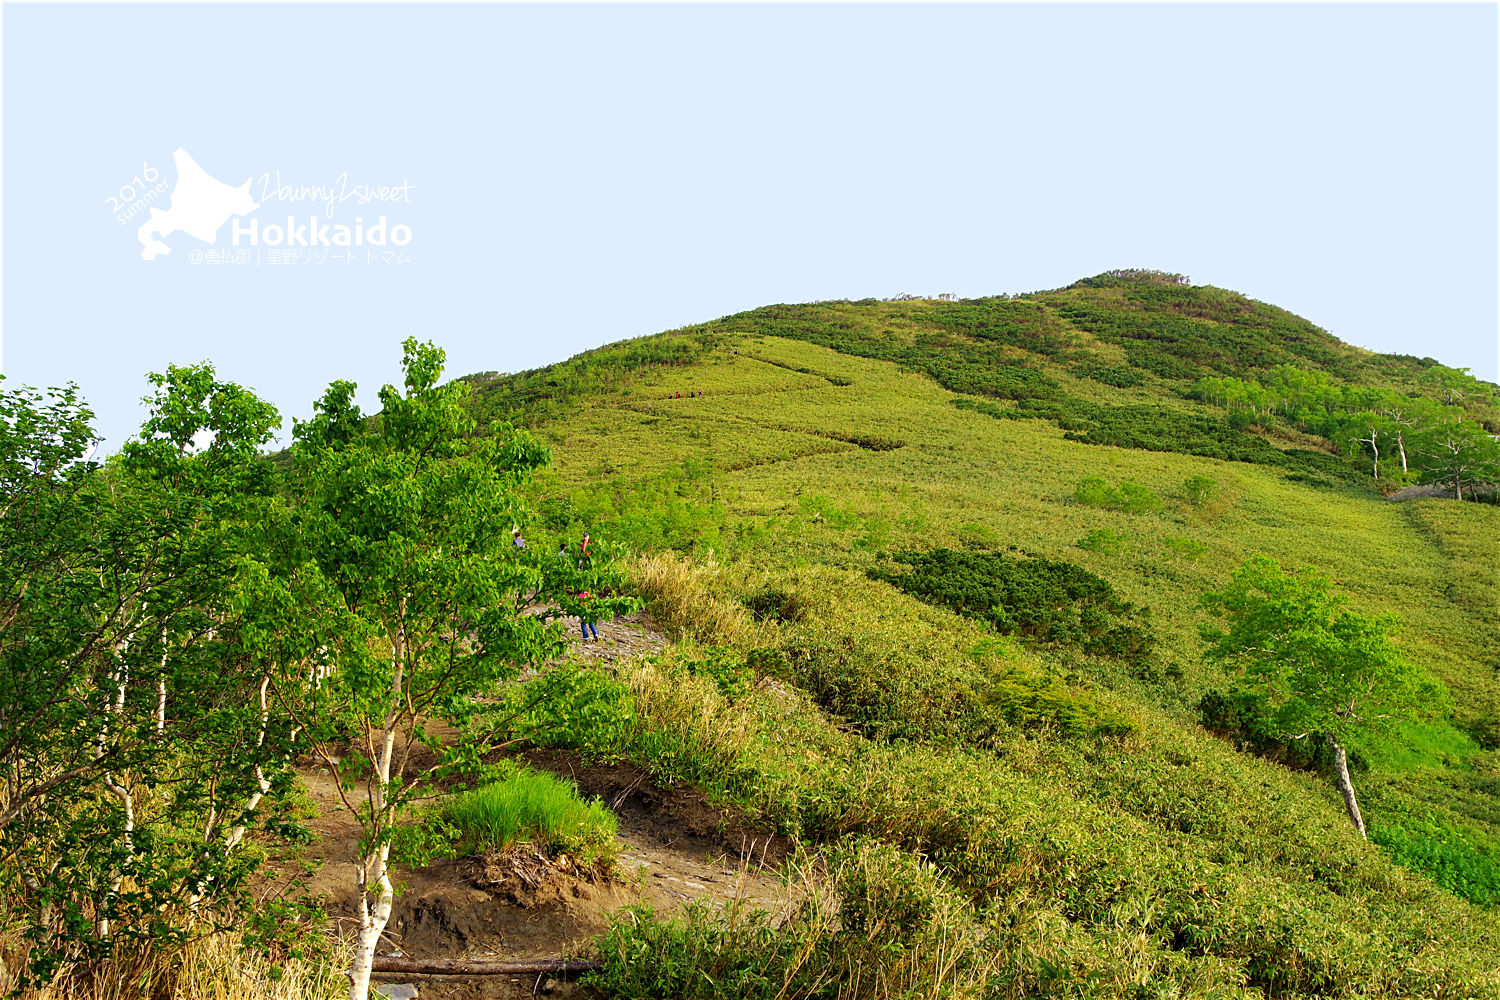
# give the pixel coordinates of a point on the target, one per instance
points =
(1086, 643)
(1054, 783)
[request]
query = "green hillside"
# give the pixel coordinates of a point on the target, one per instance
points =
(1032, 795)
(1127, 640)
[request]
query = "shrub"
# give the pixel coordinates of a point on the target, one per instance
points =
(570, 705)
(1199, 490)
(536, 807)
(1048, 600)
(1095, 492)
(974, 535)
(732, 675)
(1138, 499)
(1130, 496)
(1120, 378)
(1187, 548)
(1240, 718)
(1102, 540)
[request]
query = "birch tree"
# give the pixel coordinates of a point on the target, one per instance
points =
(1310, 666)
(1407, 417)
(408, 515)
(1366, 428)
(1459, 455)
(126, 702)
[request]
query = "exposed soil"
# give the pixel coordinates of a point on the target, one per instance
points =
(674, 847)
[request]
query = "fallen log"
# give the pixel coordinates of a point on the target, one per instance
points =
(483, 967)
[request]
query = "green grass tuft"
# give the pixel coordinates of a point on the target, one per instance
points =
(531, 806)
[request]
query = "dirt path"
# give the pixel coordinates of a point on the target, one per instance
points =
(674, 847)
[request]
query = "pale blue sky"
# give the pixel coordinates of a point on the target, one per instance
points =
(585, 173)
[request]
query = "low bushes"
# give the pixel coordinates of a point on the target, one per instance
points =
(1120, 378)
(1129, 496)
(1042, 599)
(1158, 863)
(1035, 871)
(1444, 854)
(1102, 540)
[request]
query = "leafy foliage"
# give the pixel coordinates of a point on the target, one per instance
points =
(1042, 599)
(1120, 378)
(1040, 819)
(1098, 855)
(1453, 860)
(408, 518)
(1311, 663)
(877, 725)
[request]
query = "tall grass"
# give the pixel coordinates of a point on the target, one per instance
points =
(686, 602)
(214, 967)
(871, 921)
(537, 807)
(1161, 859)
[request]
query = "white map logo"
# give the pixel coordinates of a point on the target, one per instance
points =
(200, 206)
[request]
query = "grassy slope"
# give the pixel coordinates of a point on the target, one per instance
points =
(760, 424)
(762, 468)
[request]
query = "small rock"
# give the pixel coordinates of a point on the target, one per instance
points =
(395, 991)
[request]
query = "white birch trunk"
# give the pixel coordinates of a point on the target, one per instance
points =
(161, 688)
(372, 921)
(262, 784)
(1346, 787)
(121, 678)
(376, 869)
(127, 839)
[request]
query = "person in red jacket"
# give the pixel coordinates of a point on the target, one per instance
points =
(587, 617)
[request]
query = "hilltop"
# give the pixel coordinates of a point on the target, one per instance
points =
(1127, 358)
(1067, 807)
